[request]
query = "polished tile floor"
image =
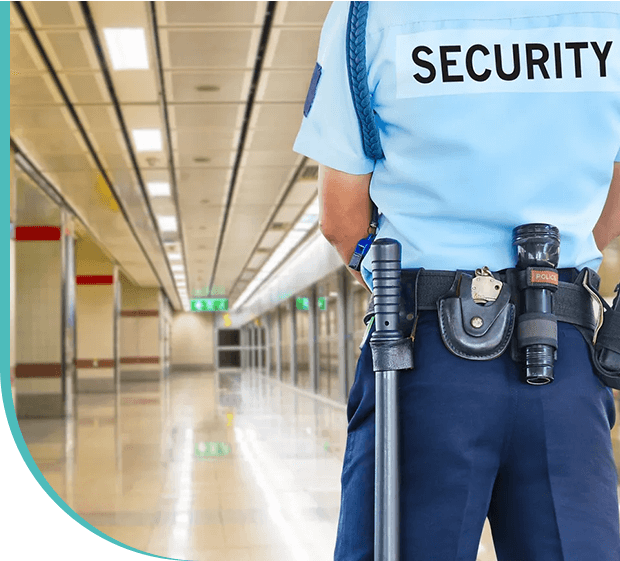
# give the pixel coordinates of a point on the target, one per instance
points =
(205, 466)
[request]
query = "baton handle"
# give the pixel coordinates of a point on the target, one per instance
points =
(386, 287)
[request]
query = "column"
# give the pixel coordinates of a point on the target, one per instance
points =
(312, 340)
(278, 345)
(38, 293)
(12, 277)
(343, 333)
(293, 313)
(97, 314)
(245, 353)
(141, 343)
(251, 346)
(68, 320)
(267, 322)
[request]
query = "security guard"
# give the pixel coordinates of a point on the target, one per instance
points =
(475, 118)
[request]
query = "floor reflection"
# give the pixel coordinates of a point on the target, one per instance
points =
(209, 465)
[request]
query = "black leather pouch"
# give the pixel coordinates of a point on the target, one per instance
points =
(475, 331)
(606, 356)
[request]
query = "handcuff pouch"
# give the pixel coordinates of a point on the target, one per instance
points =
(475, 331)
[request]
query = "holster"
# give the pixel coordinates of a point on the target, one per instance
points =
(475, 331)
(606, 345)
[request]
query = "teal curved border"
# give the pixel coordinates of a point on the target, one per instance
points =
(5, 375)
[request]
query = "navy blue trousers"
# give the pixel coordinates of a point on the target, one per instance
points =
(477, 442)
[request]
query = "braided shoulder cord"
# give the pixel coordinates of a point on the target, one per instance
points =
(358, 79)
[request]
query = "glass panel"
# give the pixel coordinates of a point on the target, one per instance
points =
(327, 316)
(286, 342)
(273, 318)
(302, 321)
(228, 337)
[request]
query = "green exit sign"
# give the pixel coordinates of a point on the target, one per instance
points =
(304, 303)
(209, 304)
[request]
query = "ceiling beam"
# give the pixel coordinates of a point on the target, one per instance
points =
(258, 65)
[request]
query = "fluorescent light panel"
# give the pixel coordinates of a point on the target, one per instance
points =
(175, 256)
(158, 189)
(127, 48)
(179, 268)
(167, 223)
(147, 140)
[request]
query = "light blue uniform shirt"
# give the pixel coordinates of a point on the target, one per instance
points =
(490, 115)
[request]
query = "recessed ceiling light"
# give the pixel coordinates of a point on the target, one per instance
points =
(127, 48)
(147, 140)
(174, 256)
(207, 88)
(202, 160)
(167, 223)
(158, 189)
(177, 267)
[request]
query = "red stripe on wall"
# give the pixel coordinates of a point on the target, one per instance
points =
(37, 233)
(94, 279)
(38, 370)
(139, 313)
(90, 363)
(140, 360)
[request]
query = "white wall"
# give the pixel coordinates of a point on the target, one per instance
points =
(192, 338)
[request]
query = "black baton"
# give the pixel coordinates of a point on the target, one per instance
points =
(386, 291)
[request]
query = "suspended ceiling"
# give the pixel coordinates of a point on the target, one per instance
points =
(205, 53)
(207, 60)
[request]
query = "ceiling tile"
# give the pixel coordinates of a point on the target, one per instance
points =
(87, 88)
(213, 48)
(293, 48)
(305, 12)
(257, 261)
(53, 13)
(211, 13)
(142, 117)
(302, 192)
(287, 213)
(198, 185)
(232, 86)
(200, 142)
(199, 116)
(272, 238)
(46, 117)
(98, 117)
(259, 157)
(270, 139)
(20, 56)
(30, 90)
(280, 115)
(216, 158)
(284, 85)
(69, 49)
(136, 86)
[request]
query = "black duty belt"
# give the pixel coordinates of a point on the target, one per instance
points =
(421, 288)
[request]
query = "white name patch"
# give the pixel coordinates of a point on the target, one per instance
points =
(474, 61)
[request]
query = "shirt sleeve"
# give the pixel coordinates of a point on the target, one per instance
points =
(330, 131)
